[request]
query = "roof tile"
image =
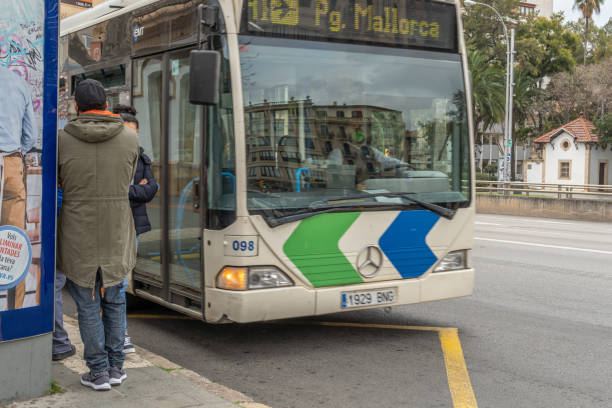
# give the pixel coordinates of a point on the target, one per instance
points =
(580, 128)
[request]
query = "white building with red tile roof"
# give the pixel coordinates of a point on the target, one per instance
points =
(570, 154)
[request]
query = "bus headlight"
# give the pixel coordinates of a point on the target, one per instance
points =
(256, 277)
(261, 277)
(452, 261)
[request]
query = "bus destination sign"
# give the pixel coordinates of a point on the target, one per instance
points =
(420, 23)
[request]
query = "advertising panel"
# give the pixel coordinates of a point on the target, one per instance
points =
(28, 131)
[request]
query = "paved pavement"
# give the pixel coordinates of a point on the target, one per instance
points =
(536, 333)
(152, 381)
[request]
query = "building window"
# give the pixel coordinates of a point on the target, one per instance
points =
(526, 9)
(324, 131)
(565, 169)
(565, 145)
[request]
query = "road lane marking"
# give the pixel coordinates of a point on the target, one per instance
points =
(148, 316)
(457, 375)
(554, 222)
(456, 371)
(505, 241)
(531, 220)
(458, 378)
(375, 326)
(485, 223)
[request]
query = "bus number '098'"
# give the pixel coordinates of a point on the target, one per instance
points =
(243, 245)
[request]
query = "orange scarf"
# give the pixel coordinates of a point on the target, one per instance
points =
(100, 112)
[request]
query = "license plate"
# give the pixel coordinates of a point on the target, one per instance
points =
(368, 298)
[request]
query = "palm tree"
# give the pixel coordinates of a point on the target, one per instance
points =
(524, 110)
(488, 91)
(587, 7)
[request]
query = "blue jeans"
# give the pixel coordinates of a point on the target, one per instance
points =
(61, 342)
(123, 288)
(102, 336)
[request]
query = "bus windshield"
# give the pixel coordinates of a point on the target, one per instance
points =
(327, 120)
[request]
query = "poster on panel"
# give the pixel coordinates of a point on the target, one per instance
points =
(27, 120)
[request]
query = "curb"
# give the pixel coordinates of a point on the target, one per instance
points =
(196, 379)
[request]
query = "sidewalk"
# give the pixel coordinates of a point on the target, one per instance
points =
(152, 382)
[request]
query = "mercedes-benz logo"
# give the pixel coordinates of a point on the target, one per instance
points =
(369, 261)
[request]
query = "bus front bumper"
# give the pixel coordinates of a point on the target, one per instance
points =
(299, 301)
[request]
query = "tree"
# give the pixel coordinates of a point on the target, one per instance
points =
(602, 43)
(597, 40)
(484, 31)
(524, 111)
(587, 7)
(603, 128)
(587, 89)
(488, 91)
(546, 46)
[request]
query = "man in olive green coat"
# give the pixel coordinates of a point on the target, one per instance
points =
(96, 240)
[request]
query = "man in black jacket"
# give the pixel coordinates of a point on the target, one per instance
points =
(143, 190)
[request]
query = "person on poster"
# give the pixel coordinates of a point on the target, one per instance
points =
(17, 136)
(96, 238)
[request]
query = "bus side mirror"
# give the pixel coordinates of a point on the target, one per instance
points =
(204, 73)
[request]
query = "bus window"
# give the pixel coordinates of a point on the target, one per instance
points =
(147, 95)
(221, 170)
(184, 167)
(109, 77)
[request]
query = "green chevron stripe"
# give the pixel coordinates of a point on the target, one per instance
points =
(313, 249)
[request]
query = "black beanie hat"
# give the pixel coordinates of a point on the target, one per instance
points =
(89, 94)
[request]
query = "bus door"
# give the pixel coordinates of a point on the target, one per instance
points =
(169, 266)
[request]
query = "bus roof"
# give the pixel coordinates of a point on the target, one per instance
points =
(100, 13)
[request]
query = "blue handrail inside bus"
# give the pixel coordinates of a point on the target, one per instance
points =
(179, 227)
(298, 178)
(232, 177)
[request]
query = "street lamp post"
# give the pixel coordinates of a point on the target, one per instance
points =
(503, 172)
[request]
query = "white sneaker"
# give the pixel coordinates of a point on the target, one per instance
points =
(128, 347)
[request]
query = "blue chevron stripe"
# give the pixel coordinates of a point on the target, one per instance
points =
(404, 242)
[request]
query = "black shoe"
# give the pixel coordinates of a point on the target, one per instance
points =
(99, 382)
(65, 354)
(117, 376)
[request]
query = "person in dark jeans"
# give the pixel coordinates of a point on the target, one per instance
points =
(143, 189)
(96, 239)
(61, 346)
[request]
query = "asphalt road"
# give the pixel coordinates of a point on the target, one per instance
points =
(536, 333)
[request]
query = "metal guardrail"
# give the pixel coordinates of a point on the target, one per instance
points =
(564, 191)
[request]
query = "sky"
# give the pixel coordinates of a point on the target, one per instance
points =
(572, 15)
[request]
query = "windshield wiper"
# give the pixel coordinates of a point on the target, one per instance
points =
(275, 222)
(324, 207)
(309, 212)
(441, 211)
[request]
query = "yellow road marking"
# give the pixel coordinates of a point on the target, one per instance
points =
(148, 316)
(376, 326)
(456, 371)
(457, 375)
(175, 257)
(459, 382)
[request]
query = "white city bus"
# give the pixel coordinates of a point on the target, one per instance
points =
(334, 139)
